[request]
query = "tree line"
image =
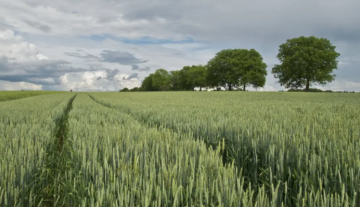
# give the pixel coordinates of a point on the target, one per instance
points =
(304, 61)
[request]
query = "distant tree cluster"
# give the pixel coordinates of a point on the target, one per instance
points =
(317, 90)
(303, 62)
(185, 79)
(310, 90)
(230, 69)
(133, 89)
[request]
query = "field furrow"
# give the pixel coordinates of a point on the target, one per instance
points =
(52, 186)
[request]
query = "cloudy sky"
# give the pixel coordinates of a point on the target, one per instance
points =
(102, 45)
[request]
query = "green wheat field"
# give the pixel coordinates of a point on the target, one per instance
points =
(240, 149)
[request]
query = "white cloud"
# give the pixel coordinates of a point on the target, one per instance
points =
(341, 85)
(16, 49)
(268, 88)
(41, 57)
(11, 86)
(43, 80)
(90, 81)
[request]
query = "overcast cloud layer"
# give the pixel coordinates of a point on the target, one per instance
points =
(102, 45)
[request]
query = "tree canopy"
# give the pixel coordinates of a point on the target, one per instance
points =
(175, 82)
(197, 76)
(124, 90)
(305, 61)
(229, 69)
(147, 84)
(188, 78)
(185, 84)
(236, 67)
(161, 80)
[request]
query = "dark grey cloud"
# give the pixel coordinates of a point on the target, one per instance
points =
(110, 74)
(7, 65)
(4, 64)
(44, 72)
(123, 58)
(74, 54)
(158, 9)
(78, 55)
(40, 79)
(133, 75)
(42, 27)
(4, 25)
(137, 68)
(147, 69)
(106, 18)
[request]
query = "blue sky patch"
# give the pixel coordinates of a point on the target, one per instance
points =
(96, 38)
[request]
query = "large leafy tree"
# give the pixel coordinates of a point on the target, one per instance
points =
(161, 80)
(175, 80)
(253, 71)
(236, 67)
(147, 84)
(305, 61)
(197, 76)
(184, 77)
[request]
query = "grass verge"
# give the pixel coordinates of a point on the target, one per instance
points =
(12, 95)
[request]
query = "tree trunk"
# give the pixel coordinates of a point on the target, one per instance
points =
(244, 87)
(230, 87)
(307, 85)
(200, 88)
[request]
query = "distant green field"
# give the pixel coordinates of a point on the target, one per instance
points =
(11, 95)
(227, 149)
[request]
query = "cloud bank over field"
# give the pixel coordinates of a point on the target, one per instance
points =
(102, 45)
